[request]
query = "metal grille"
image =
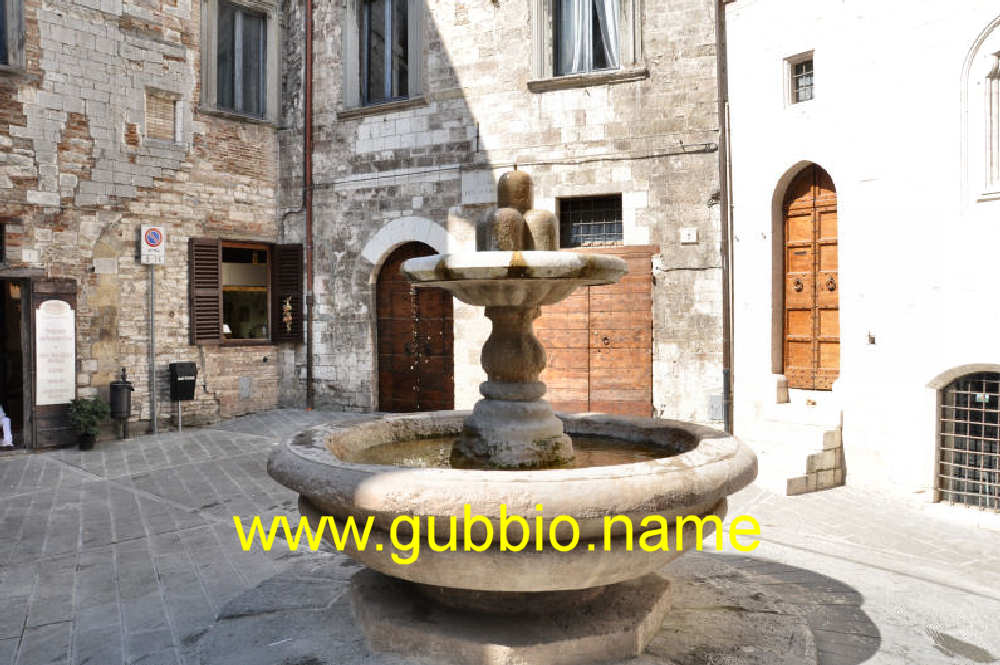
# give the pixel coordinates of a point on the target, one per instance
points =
(969, 442)
(590, 220)
(802, 81)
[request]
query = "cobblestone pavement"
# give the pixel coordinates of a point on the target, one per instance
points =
(127, 554)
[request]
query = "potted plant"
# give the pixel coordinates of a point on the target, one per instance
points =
(86, 416)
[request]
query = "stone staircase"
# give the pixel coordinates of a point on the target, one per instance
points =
(799, 446)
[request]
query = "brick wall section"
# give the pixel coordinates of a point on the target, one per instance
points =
(480, 117)
(82, 169)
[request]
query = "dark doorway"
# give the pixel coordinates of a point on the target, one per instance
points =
(415, 345)
(12, 355)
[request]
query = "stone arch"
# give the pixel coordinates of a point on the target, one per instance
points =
(944, 378)
(398, 232)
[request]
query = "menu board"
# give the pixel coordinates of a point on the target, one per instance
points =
(55, 353)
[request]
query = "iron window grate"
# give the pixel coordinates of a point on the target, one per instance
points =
(969, 442)
(590, 221)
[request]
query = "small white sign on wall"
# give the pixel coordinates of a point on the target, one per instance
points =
(478, 187)
(153, 244)
(55, 353)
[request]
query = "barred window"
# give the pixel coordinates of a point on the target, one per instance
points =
(588, 221)
(969, 441)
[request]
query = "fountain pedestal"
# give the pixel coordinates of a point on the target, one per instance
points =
(512, 426)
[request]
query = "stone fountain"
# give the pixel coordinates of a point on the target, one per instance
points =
(512, 456)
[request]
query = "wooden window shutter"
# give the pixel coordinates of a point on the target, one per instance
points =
(205, 290)
(286, 291)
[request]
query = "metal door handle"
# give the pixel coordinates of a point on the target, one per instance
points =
(797, 284)
(831, 284)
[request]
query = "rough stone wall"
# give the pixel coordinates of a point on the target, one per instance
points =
(653, 140)
(79, 174)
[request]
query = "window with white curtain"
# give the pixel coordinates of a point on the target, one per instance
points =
(587, 36)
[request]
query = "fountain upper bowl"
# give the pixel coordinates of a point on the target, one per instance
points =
(520, 279)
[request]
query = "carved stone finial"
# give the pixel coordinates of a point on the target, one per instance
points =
(514, 191)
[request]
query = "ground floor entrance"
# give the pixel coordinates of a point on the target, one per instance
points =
(14, 393)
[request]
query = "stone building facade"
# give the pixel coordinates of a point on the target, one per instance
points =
(481, 95)
(106, 125)
(907, 197)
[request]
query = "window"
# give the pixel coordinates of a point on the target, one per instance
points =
(585, 42)
(3, 243)
(969, 442)
(590, 221)
(242, 69)
(586, 36)
(802, 81)
(244, 293)
(384, 50)
(4, 58)
(993, 125)
(11, 33)
(245, 277)
(240, 57)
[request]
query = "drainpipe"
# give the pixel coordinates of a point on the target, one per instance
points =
(308, 195)
(725, 216)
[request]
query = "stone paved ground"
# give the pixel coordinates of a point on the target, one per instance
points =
(127, 554)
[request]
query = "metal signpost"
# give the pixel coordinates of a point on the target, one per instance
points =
(152, 251)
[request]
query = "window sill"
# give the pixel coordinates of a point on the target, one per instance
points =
(163, 143)
(988, 196)
(233, 115)
(378, 109)
(589, 79)
(230, 343)
(17, 72)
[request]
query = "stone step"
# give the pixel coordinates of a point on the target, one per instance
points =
(794, 458)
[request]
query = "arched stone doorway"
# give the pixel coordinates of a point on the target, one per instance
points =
(415, 344)
(811, 300)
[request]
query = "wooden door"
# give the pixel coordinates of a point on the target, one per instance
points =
(415, 347)
(811, 299)
(599, 342)
(51, 422)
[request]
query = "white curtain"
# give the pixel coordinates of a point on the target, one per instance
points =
(577, 39)
(607, 18)
(575, 45)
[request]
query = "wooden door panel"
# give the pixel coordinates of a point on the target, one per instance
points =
(827, 225)
(635, 338)
(799, 324)
(599, 342)
(811, 315)
(799, 260)
(800, 229)
(415, 342)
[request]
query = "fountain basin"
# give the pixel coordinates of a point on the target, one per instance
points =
(700, 468)
(514, 279)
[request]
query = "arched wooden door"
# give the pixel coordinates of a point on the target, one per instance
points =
(415, 346)
(812, 300)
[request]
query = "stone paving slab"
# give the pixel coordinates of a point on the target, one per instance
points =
(127, 554)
